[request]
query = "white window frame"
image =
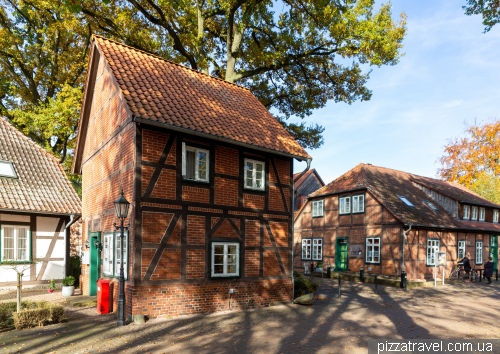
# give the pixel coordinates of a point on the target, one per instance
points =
(358, 203)
(482, 214)
(254, 175)
(466, 212)
(317, 208)
(108, 254)
(306, 248)
(225, 259)
(196, 151)
(495, 215)
(474, 213)
(461, 246)
(345, 205)
(479, 252)
(16, 245)
(370, 250)
(434, 246)
(317, 249)
(116, 259)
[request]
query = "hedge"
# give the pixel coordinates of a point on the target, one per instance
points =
(38, 314)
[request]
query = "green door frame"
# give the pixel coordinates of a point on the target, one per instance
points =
(338, 263)
(95, 263)
(494, 249)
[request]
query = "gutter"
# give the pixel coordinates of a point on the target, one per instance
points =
(293, 221)
(404, 243)
(452, 228)
(73, 218)
(37, 212)
(214, 137)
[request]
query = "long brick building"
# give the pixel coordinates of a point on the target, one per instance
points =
(208, 172)
(359, 220)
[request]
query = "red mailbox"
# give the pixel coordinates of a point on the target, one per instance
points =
(102, 296)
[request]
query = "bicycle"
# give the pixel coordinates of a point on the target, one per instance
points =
(460, 274)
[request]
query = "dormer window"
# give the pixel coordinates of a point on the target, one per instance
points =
(474, 213)
(495, 215)
(482, 213)
(406, 201)
(430, 205)
(466, 212)
(7, 169)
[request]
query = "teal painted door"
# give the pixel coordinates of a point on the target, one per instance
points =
(494, 250)
(341, 255)
(95, 264)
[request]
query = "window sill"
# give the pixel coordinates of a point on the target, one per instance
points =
(254, 189)
(6, 262)
(318, 216)
(225, 277)
(358, 212)
(195, 181)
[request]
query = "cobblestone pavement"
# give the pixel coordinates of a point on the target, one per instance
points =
(331, 325)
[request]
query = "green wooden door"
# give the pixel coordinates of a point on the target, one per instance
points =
(494, 249)
(342, 255)
(95, 264)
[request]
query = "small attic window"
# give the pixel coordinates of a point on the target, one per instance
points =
(7, 169)
(407, 202)
(430, 205)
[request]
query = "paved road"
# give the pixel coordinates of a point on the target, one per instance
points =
(332, 325)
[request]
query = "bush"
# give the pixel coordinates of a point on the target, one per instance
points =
(41, 313)
(68, 281)
(75, 269)
(304, 286)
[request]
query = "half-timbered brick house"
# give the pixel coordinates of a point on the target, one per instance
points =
(208, 171)
(359, 220)
(37, 207)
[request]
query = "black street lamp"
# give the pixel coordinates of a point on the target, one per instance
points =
(121, 209)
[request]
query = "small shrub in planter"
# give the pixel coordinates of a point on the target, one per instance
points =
(68, 288)
(52, 285)
(303, 285)
(38, 314)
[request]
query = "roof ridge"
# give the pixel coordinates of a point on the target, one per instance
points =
(336, 179)
(170, 62)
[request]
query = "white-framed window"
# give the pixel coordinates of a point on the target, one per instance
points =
(479, 252)
(225, 259)
(430, 205)
(306, 248)
(461, 249)
(317, 249)
(7, 169)
(195, 163)
(107, 254)
(495, 215)
(373, 250)
(345, 205)
(474, 213)
(117, 253)
(255, 175)
(466, 212)
(432, 251)
(15, 243)
(406, 201)
(317, 208)
(482, 213)
(358, 204)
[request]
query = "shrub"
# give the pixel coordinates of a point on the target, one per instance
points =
(68, 281)
(75, 269)
(38, 315)
(304, 286)
(52, 285)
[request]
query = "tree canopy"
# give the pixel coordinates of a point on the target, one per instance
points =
(489, 9)
(474, 160)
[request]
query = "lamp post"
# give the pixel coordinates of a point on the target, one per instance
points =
(121, 209)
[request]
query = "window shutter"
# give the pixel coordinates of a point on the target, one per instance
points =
(183, 159)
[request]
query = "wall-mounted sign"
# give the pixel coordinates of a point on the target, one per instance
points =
(356, 251)
(441, 259)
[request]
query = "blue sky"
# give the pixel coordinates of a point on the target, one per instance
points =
(450, 74)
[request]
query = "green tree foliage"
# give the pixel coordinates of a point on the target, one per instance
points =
(489, 9)
(293, 58)
(55, 122)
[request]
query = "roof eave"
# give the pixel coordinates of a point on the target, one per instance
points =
(450, 227)
(40, 212)
(337, 192)
(215, 137)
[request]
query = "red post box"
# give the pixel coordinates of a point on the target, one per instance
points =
(102, 296)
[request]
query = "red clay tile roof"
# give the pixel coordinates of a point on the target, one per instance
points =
(42, 185)
(162, 91)
(304, 176)
(387, 184)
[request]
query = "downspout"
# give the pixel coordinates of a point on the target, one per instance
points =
(72, 220)
(404, 243)
(293, 219)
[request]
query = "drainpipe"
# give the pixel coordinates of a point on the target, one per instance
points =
(72, 220)
(404, 243)
(293, 219)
